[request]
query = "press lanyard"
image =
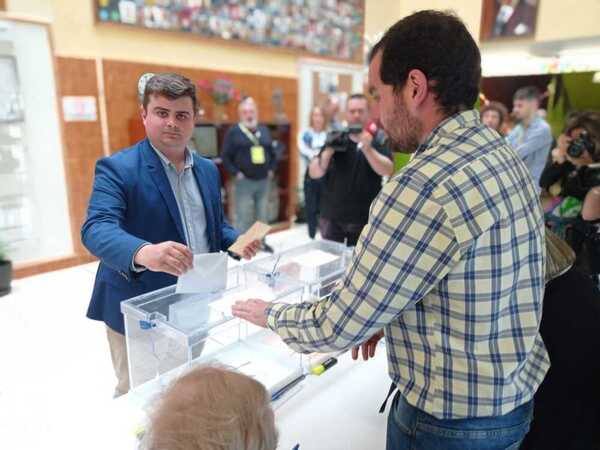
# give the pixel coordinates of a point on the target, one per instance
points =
(249, 134)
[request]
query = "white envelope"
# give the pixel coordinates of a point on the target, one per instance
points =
(208, 275)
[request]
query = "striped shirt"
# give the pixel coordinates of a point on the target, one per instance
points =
(451, 266)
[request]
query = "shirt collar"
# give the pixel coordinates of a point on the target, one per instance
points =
(533, 123)
(251, 130)
(189, 160)
(448, 126)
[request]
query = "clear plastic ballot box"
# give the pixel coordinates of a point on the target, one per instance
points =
(318, 265)
(166, 330)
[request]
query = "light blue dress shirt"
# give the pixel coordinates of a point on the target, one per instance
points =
(189, 202)
(532, 143)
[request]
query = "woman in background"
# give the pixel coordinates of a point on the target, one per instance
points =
(495, 116)
(310, 142)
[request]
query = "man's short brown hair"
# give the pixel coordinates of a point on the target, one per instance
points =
(528, 93)
(171, 86)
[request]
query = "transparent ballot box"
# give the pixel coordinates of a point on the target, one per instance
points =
(262, 355)
(165, 330)
(318, 265)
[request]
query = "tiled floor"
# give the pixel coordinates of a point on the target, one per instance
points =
(55, 369)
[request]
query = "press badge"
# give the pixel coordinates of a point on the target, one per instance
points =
(257, 154)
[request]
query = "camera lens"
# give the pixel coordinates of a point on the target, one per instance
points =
(576, 148)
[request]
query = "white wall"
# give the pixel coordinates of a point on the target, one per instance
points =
(45, 176)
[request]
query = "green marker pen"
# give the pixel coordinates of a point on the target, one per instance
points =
(319, 369)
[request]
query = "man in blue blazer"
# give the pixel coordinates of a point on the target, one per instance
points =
(153, 206)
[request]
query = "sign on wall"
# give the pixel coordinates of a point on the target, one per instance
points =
(508, 18)
(79, 109)
(330, 28)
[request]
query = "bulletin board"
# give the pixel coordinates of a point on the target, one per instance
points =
(329, 28)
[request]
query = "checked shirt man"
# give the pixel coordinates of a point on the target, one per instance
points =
(451, 263)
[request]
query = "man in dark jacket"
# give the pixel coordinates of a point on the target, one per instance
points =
(351, 176)
(249, 156)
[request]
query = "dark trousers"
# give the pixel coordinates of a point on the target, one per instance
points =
(312, 197)
(347, 233)
(567, 404)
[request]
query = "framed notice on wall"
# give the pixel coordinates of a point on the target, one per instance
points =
(329, 28)
(508, 18)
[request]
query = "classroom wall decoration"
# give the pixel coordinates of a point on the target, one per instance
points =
(329, 28)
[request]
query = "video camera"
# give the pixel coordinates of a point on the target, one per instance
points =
(339, 141)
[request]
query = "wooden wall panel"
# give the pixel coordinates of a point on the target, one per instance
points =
(120, 81)
(489, 10)
(120, 84)
(82, 141)
(82, 144)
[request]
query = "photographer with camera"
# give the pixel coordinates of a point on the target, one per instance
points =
(571, 178)
(351, 165)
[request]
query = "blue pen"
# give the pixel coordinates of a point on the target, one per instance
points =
(277, 395)
(296, 447)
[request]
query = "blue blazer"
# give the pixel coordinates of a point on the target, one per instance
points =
(132, 203)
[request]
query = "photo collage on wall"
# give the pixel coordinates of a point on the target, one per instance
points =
(330, 28)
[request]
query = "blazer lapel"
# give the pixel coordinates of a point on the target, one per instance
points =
(159, 177)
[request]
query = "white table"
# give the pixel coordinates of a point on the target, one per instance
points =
(339, 409)
(335, 411)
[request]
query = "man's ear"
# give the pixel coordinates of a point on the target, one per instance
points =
(417, 86)
(143, 112)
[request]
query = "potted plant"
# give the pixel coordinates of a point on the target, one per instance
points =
(5, 271)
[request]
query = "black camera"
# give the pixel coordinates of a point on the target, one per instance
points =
(340, 141)
(578, 146)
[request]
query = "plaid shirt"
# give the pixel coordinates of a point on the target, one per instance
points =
(451, 265)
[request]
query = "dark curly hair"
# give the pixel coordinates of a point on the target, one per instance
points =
(439, 45)
(495, 106)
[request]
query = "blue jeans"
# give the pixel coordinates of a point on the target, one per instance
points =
(250, 202)
(412, 429)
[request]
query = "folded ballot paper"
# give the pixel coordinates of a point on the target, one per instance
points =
(208, 275)
(258, 231)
